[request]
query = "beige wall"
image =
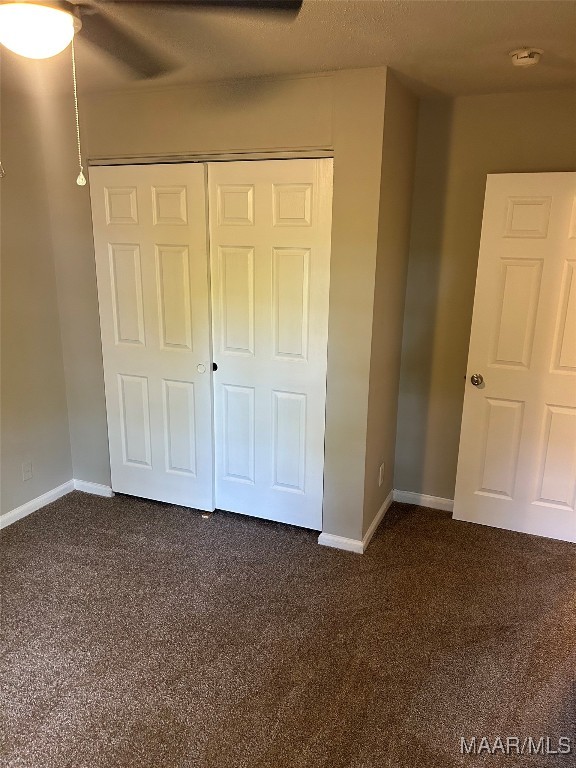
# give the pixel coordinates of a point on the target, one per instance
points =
(343, 110)
(77, 296)
(398, 159)
(34, 422)
(266, 114)
(358, 120)
(459, 143)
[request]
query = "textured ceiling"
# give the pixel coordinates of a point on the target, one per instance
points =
(450, 46)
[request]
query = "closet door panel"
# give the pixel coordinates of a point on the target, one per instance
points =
(152, 267)
(270, 224)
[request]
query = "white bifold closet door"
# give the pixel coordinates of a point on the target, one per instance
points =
(152, 268)
(270, 225)
(248, 437)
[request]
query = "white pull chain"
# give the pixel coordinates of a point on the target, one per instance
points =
(81, 180)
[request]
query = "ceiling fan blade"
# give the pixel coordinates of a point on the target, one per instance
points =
(103, 32)
(287, 7)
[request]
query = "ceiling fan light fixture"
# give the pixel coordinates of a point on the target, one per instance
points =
(36, 31)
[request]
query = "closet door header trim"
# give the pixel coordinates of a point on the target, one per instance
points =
(300, 154)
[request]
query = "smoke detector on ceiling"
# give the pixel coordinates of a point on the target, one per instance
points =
(526, 57)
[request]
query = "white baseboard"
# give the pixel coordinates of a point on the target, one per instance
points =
(356, 545)
(407, 497)
(47, 498)
(32, 506)
(94, 488)
(422, 500)
(341, 542)
(377, 520)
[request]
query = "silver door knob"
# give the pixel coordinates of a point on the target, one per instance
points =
(477, 379)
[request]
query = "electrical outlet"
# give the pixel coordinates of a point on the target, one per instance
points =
(26, 470)
(381, 473)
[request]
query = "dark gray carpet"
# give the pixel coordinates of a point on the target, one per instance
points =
(139, 634)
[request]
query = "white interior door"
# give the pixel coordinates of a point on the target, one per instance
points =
(151, 261)
(270, 225)
(517, 461)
